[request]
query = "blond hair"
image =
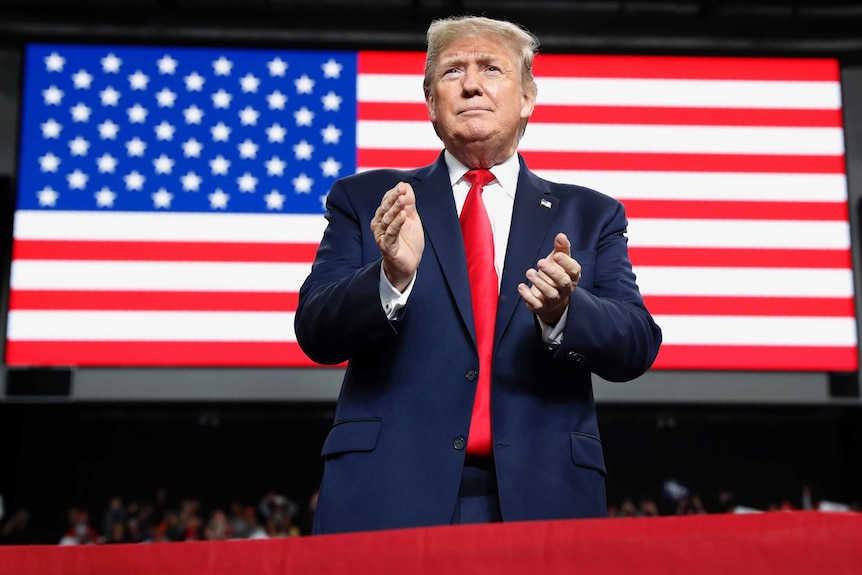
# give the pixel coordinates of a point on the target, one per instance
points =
(443, 32)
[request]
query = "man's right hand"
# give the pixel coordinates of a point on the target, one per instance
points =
(399, 235)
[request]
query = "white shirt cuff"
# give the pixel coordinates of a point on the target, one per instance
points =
(553, 335)
(391, 299)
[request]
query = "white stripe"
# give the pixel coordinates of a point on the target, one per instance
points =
(676, 233)
(744, 282)
(683, 139)
(757, 331)
(131, 226)
(626, 138)
(707, 185)
(158, 276)
(150, 326)
(757, 94)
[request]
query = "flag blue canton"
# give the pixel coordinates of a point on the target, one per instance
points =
(116, 128)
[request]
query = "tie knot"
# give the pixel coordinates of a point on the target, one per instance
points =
(479, 177)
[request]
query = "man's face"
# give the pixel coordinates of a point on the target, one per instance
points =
(476, 97)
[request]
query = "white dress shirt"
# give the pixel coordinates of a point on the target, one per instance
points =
(499, 199)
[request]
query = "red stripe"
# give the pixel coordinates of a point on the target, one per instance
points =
(384, 62)
(670, 67)
(757, 358)
(751, 306)
(151, 301)
(623, 161)
(163, 251)
(741, 258)
(161, 353)
(404, 112)
(737, 210)
(687, 68)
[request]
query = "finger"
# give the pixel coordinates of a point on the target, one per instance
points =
(562, 244)
(534, 304)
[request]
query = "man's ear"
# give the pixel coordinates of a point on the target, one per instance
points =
(429, 103)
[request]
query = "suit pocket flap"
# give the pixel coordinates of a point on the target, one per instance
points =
(587, 452)
(352, 435)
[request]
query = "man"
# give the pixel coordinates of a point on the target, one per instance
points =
(432, 428)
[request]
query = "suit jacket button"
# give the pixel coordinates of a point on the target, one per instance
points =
(459, 443)
(471, 375)
(577, 357)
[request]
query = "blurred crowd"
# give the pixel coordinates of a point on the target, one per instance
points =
(276, 515)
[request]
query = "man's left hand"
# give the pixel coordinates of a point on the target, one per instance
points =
(553, 281)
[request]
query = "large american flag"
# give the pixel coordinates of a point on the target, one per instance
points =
(171, 199)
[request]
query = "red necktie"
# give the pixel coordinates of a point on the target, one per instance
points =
(479, 246)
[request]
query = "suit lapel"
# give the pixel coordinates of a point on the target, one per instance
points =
(436, 207)
(532, 214)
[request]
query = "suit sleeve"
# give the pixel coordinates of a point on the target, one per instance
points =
(339, 308)
(608, 329)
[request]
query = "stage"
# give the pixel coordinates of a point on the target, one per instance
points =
(780, 542)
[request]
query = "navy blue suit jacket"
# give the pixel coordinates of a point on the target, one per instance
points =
(395, 453)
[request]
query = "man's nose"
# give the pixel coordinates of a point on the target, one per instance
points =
(472, 84)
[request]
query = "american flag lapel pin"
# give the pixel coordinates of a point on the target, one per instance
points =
(546, 203)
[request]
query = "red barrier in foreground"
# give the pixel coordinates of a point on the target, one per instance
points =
(780, 542)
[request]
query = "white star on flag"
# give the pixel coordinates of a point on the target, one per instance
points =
(192, 148)
(304, 84)
(303, 116)
(137, 114)
(194, 82)
(277, 67)
(248, 149)
(47, 196)
(105, 197)
(54, 62)
(219, 165)
(167, 65)
(246, 182)
(303, 150)
(79, 146)
(77, 180)
(51, 129)
(49, 162)
(80, 112)
(221, 99)
(331, 101)
(274, 200)
(134, 181)
(138, 80)
(275, 166)
(331, 69)
(193, 114)
(108, 130)
(249, 83)
(82, 79)
(302, 184)
(220, 132)
(111, 64)
(163, 164)
(330, 134)
(222, 66)
(162, 198)
(248, 116)
(136, 147)
(106, 163)
(276, 133)
(191, 182)
(330, 167)
(109, 96)
(218, 199)
(166, 98)
(276, 100)
(53, 96)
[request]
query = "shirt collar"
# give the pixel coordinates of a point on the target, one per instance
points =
(505, 172)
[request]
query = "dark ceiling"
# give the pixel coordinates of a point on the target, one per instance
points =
(806, 28)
